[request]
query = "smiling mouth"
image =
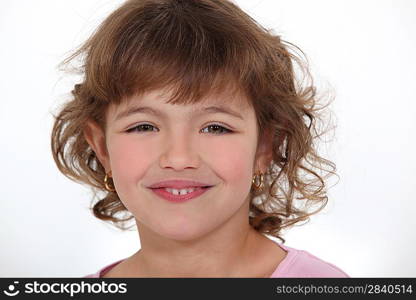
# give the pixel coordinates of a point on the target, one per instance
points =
(187, 188)
(177, 197)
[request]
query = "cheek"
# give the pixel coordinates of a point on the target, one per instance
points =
(128, 161)
(233, 161)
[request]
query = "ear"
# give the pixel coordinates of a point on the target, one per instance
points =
(95, 137)
(264, 153)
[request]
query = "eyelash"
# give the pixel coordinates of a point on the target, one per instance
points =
(135, 129)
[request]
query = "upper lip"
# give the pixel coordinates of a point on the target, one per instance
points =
(178, 184)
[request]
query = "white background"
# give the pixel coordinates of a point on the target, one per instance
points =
(362, 50)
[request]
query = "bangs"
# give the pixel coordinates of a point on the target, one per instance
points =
(192, 47)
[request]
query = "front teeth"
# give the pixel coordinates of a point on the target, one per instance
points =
(179, 192)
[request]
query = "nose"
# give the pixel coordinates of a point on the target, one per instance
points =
(180, 152)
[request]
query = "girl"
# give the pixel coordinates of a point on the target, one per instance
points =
(190, 119)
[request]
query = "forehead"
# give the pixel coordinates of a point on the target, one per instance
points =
(227, 100)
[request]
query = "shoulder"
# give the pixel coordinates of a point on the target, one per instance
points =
(94, 275)
(104, 270)
(301, 263)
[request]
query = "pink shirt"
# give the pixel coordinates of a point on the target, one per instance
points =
(297, 263)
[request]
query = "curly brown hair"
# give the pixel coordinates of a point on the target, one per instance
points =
(199, 46)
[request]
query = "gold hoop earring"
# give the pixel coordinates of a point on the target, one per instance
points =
(106, 183)
(260, 186)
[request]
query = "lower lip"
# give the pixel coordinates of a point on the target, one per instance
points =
(179, 198)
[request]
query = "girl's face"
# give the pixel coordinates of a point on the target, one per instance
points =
(180, 142)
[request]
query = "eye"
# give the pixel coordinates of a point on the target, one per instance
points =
(221, 128)
(140, 128)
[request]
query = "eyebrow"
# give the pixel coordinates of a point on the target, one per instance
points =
(152, 111)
